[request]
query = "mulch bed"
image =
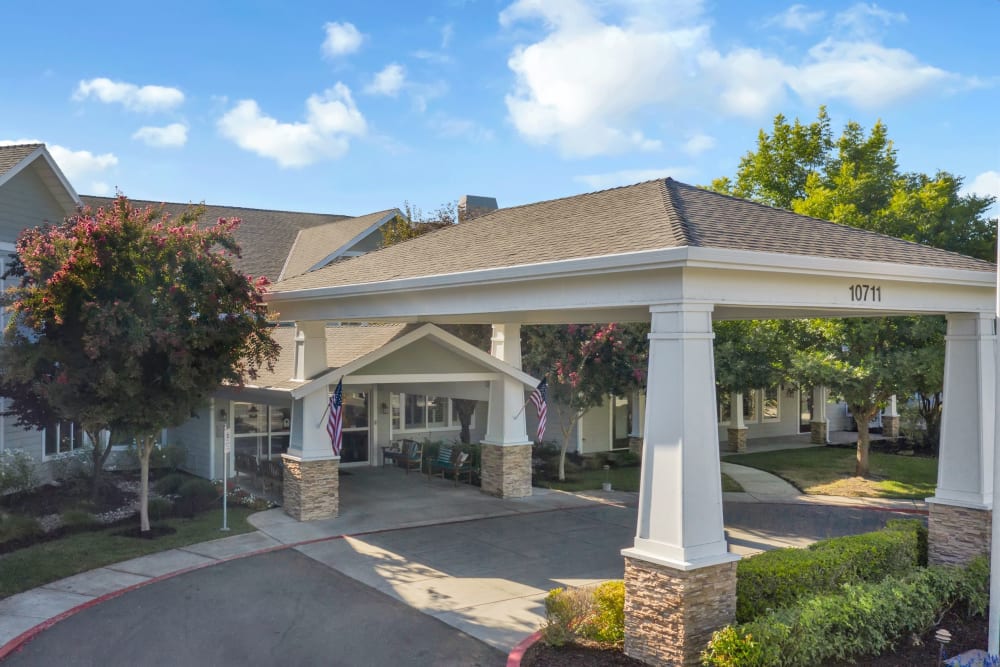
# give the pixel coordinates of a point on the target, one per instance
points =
(56, 498)
(966, 634)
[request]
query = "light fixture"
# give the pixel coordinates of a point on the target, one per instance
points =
(222, 414)
(252, 412)
(384, 408)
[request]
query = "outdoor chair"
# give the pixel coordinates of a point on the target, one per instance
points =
(247, 465)
(272, 473)
(413, 456)
(455, 462)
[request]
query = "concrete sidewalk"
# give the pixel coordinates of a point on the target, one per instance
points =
(478, 563)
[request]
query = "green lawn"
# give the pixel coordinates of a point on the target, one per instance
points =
(622, 479)
(830, 471)
(49, 561)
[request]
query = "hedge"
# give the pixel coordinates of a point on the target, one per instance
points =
(776, 579)
(863, 619)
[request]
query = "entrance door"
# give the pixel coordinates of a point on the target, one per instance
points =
(354, 447)
(805, 410)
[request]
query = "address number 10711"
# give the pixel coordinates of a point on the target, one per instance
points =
(863, 293)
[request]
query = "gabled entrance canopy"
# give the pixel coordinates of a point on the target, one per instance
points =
(681, 257)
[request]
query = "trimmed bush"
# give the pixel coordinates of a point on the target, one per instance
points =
(170, 484)
(17, 471)
(594, 613)
(606, 621)
(18, 526)
(195, 495)
(563, 609)
(780, 578)
(159, 509)
(863, 619)
(79, 519)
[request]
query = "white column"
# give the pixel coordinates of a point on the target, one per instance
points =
(309, 440)
(680, 496)
(890, 410)
(736, 419)
(819, 403)
(506, 421)
(965, 462)
(638, 414)
(310, 349)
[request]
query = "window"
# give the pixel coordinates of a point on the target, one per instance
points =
(62, 437)
(261, 430)
(771, 404)
(424, 413)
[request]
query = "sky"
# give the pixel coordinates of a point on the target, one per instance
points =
(356, 106)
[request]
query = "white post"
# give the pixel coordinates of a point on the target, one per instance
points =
(993, 635)
(227, 447)
(890, 411)
(736, 416)
(680, 495)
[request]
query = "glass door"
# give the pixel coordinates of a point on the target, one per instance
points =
(354, 446)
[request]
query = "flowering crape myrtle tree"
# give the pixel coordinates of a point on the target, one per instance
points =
(584, 364)
(125, 320)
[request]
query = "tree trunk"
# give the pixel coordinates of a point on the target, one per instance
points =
(145, 451)
(98, 457)
(465, 408)
(861, 469)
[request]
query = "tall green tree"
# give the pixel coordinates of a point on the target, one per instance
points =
(584, 365)
(125, 320)
(855, 180)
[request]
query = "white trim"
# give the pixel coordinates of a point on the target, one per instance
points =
(415, 378)
(357, 239)
(42, 151)
(458, 345)
(664, 258)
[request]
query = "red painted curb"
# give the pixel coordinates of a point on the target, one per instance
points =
(517, 653)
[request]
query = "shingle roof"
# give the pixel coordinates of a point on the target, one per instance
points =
(344, 344)
(265, 236)
(11, 156)
(647, 216)
(316, 243)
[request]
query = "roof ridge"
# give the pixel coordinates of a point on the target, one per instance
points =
(825, 222)
(676, 215)
(342, 216)
(23, 144)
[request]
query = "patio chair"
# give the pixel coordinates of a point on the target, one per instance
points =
(455, 462)
(247, 465)
(413, 456)
(272, 473)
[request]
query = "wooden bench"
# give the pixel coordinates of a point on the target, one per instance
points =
(454, 461)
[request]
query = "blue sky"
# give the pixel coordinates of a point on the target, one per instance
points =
(350, 107)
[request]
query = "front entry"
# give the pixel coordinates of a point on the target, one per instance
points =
(356, 432)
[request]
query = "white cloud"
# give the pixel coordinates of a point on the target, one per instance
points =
(986, 184)
(332, 119)
(129, 95)
(591, 83)
(341, 39)
(169, 136)
(698, 144)
(447, 32)
(630, 176)
(100, 188)
(580, 86)
(460, 128)
(388, 82)
(797, 17)
(866, 74)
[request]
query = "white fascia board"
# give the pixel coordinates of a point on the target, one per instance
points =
(419, 378)
(357, 238)
(62, 177)
(663, 258)
(454, 342)
(42, 152)
(22, 165)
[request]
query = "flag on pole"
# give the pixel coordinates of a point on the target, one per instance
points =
(335, 422)
(539, 397)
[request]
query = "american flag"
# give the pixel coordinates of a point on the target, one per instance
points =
(539, 398)
(335, 423)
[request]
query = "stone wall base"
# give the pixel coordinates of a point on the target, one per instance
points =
(311, 489)
(956, 535)
(737, 439)
(635, 444)
(505, 470)
(818, 433)
(670, 614)
(890, 427)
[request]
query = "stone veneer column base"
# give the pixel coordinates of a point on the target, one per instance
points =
(737, 439)
(819, 432)
(956, 535)
(890, 427)
(670, 614)
(311, 489)
(635, 445)
(505, 470)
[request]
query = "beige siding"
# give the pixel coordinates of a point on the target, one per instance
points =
(25, 201)
(595, 430)
(421, 356)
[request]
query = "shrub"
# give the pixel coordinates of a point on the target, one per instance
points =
(777, 579)
(195, 495)
(170, 484)
(863, 619)
(159, 508)
(606, 622)
(78, 519)
(563, 608)
(18, 526)
(17, 471)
